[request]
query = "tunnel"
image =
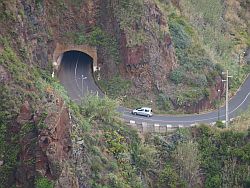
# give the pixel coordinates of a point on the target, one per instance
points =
(75, 73)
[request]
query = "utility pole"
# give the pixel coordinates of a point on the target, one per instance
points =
(83, 78)
(227, 78)
(218, 104)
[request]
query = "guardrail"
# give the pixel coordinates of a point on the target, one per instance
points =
(145, 127)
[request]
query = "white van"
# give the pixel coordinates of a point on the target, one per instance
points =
(143, 111)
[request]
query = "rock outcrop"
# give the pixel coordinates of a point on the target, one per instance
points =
(146, 57)
(146, 50)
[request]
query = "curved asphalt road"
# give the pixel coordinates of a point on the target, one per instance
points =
(76, 75)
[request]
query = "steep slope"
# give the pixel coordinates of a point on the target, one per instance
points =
(147, 49)
(173, 53)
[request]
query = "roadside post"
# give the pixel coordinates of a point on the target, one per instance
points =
(226, 81)
(83, 78)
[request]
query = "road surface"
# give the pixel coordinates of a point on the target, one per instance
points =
(76, 75)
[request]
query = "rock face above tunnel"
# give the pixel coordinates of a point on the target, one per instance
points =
(143, 54)
(146, 51)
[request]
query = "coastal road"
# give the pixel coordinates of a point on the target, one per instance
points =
(75, 74)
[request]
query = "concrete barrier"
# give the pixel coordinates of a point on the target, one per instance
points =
(145, 127)
(132, 122)
(162, 129)
(180, 126)
(157, 128)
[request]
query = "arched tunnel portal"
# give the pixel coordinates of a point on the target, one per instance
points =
(74, 68)
(61, 48)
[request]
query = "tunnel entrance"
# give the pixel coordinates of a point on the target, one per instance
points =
(60, 49)
(75, 73)
(81, 60)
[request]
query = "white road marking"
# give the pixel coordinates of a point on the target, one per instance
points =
(167, 121)
(187, 121)
(75, 74)
(240, 103)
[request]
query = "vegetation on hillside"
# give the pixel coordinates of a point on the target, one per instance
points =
(97, 38)
(115, 154)
(116, 87)
(23, 84)
(197, 157)
(205, 41)
(197, 71)
(128, 12)
(222, 40)
(111, 153)
(204, 48)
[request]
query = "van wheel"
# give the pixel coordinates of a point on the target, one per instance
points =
(148, 115)
(135, 113)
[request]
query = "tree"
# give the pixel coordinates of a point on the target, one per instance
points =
(187, 159)
(145, 161)
(169, 178)
(44, 183)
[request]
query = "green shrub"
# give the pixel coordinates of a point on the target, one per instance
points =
(195, 63)
(43, 183)
(191, 95)
(199, 80)
(211, 10)
(169, 178)
(177, 75)
(164, 103)
(213, 181)
(6, 15)
(128, 11)
(80, 39)
(115, 181)
(115, 87)
(223, 155)
(180, 38)
(96, 37)
(116, 143)
(247, 183)
(220, 124)
(206, 18)
(95, 108)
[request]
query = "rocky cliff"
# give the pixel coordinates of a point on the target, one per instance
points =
(135, 40)
(146, 51)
